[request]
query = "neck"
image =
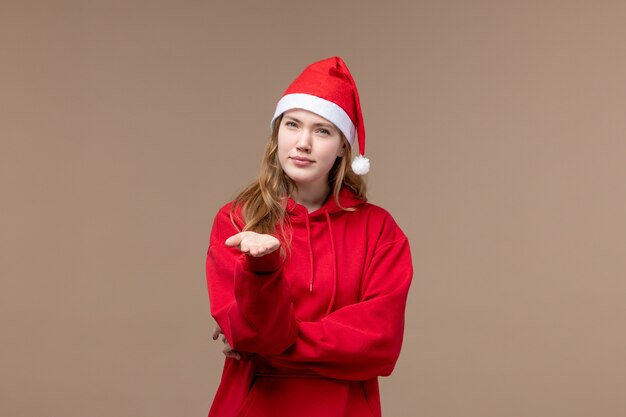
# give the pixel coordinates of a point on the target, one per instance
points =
(311, 197)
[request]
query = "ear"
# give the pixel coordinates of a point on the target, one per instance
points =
(341, 151)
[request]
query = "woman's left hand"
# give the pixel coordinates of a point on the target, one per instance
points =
(227, 350)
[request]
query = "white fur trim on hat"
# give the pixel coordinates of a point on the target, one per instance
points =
(360, 165)
(327, 109)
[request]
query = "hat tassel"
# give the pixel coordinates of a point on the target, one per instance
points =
(360, 165)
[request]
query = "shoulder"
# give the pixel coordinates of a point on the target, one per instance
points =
(227, 221)
(225, 208)
(223, 212)
(380, 224)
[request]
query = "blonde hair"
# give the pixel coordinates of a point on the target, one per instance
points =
(263, 202)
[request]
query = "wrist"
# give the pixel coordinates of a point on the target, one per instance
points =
(264, 264)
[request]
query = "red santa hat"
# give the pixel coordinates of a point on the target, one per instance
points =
(327, 88)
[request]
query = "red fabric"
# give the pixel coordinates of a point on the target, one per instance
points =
(311, 352)
(329, 79)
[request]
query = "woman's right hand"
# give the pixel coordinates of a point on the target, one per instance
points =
(253, 244)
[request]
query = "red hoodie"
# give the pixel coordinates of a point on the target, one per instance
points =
(317, 329)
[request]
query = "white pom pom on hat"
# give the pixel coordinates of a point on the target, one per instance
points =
(360, 165)
(327, 88)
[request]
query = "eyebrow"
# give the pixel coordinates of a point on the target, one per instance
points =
(314, 124)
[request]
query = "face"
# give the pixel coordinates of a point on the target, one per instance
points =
(308, 146)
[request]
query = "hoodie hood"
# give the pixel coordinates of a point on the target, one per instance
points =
(347, 199)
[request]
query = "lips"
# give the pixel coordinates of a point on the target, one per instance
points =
(301, 158)
(301, 161)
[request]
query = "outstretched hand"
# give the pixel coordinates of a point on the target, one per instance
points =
(253, 244)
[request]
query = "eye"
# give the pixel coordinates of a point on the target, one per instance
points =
(290, 123)
(324, 131)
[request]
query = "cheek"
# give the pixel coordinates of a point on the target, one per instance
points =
(331, 152)
(282, 150)
(284, 140)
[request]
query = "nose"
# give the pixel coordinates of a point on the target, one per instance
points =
(304, 141)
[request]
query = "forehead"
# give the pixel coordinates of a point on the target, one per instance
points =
(306, 116)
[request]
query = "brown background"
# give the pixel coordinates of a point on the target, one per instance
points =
(497, 135)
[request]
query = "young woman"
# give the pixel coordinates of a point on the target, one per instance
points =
(307, 280)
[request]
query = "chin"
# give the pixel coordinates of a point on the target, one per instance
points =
(299, 177)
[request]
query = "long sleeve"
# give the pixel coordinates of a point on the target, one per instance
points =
(362, 340)
(249, 298)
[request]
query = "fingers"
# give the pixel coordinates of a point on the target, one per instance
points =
(234, 240)
(229, 352)
(259, 251)
(216, 332)
(253, 244)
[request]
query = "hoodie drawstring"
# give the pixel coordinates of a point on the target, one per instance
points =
(333, 254)
(308, 231)
(332, 249)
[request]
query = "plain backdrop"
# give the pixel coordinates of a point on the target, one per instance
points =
(497, 135)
